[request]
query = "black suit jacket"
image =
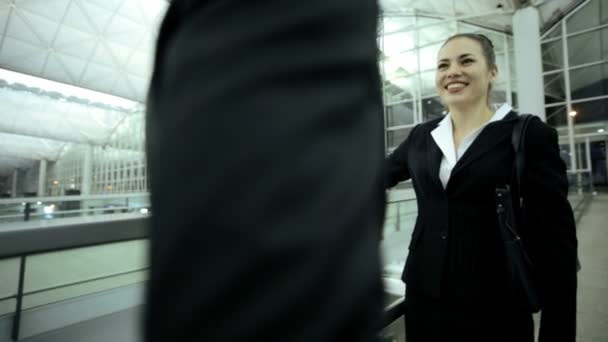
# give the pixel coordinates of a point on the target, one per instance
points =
(265, 150)
(455, 250)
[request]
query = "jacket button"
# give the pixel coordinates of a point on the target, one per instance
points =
(444, 236)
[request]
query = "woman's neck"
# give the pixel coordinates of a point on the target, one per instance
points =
(465, 119)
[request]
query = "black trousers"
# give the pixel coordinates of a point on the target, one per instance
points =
(265, 151)
(430, 319)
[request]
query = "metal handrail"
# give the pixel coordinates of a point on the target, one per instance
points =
(393, 312)
(48, 236)
(42, 237)
(88, 280)
(71, 198)
(30, 202)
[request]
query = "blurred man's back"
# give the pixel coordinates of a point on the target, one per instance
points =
(265, 148)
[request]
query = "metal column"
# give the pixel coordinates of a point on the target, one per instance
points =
(573, 163)
(42, 178)
(14, 185)
(528, 62)
(87, 171)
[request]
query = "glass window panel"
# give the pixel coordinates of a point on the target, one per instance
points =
(581, 156)
(564, 151)
(553, 56)
(499, 94)
(423, 21)
(9, 276)
(556, 116)
(584, 48)
(396, 137)
(428, 57)
(59, 268)
(585, 17)
(397, 23)
(589, 82)
(501, 64)
(7, 306)
(555, 88)
(72, 291)
(394, 331)
(432, 108)
(398, 226)
(66, 268)
(399, 89)
(400, 114)
(396, 43)
(400, 65)
(556, 31)
(434, 34)
(603, 12)
(512, 66)
(591, 111)
(427, 83)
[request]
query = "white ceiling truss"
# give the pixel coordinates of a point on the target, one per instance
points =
(108, 46)
(104, 45)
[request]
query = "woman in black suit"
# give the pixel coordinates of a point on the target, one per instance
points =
(455, 273)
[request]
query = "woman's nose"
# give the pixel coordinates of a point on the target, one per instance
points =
(453, 71)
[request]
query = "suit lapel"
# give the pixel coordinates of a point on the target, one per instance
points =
(434, 159)
(493, 134)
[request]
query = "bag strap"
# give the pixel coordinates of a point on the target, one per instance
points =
(518, 141)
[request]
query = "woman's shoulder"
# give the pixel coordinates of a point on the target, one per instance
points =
(540, 138)
(537, 129)
(427, 126)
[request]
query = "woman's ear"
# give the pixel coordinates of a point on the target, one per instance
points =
(493, 74)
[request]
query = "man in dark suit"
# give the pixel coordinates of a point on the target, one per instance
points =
(265, 150)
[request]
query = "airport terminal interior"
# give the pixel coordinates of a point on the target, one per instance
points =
(74, 76)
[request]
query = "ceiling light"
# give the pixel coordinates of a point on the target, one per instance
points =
(601, 130)
(573, 113)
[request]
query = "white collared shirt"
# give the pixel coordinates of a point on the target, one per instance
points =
(444, 138)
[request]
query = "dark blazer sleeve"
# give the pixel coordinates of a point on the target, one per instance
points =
(251, 103)
(548, 215)
(397, 165)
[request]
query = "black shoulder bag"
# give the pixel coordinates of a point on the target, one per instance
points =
(519, 268)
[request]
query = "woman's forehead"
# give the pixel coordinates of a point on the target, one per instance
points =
(458, 47)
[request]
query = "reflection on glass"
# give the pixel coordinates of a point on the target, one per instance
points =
(555, 88)
(396, 137)
(428, 57)
(398, 226)
(399, 89)
(428, 83)
(400, 114)
(586, 17)
(584, 48)
(553, 55)
(589, 82)
(7, 306)
(432, 108)
(499, 96)
(591, 111)
(556, 116)
(70, 271)
(9, 276)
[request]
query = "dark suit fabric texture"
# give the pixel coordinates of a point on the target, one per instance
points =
(265, 152)
(455, 273)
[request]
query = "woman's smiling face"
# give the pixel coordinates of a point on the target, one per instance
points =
(463, 76)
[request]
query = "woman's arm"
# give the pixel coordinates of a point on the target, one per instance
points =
(396, 164)
(549, 219)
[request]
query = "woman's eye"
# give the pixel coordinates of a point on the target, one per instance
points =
(467, 61)
(442, 66)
